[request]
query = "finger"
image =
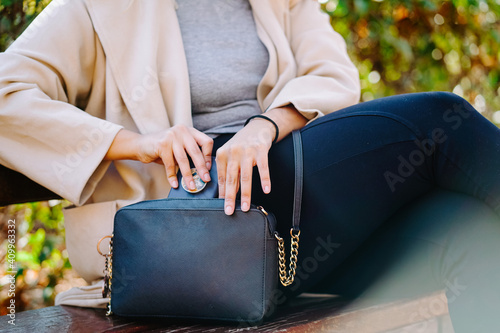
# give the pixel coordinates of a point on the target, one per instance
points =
(206, 143)
(265, 176)
(221, 161)
(185, 168)
(231, 189)
(246, 183)
(197, 157)
(170, 167)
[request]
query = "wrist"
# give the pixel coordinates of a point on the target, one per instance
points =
(262, 129)
(271, 125)
(125, 146)
(288, 119)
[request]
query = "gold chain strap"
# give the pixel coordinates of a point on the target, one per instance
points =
(110, 270)
(287, 279)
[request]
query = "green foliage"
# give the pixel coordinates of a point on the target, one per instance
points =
(15, 16)
(424, 45)
(41, 257)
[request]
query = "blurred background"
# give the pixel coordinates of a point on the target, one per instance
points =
(398, 47)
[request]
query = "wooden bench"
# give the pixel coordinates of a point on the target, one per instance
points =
(304, 314)
(17, 188)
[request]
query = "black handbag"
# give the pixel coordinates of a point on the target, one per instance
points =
(185, 258)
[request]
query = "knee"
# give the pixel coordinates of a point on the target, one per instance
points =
(449, 107)
(444, 97)
(450, 102)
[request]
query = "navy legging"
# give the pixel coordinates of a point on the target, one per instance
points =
(365, 163)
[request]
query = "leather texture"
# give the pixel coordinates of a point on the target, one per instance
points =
(299, 178)
(185, 258)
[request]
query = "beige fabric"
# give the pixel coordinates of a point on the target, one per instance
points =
(87, 68)
(88, 296)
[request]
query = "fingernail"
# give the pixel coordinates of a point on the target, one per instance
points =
(228, 210)
(206, 177)
(267, 189)
(192, 186)
(208, 165)
(244, 206)
(174, 184)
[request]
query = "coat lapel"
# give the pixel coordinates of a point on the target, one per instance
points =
(271, 18)
(143, 47)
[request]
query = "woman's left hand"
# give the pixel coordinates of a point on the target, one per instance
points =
(236, 159)
(248, 148)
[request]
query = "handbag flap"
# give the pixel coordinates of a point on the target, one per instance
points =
(203, 263)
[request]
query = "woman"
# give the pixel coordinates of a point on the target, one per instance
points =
(146, 72)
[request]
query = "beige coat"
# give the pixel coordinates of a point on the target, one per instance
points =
(87, 68)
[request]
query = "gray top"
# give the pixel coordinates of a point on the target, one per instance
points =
(226, 61)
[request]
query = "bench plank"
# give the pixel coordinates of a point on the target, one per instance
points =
(304, 314)
(17, 188)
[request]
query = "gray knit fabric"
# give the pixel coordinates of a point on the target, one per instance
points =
(226, 61)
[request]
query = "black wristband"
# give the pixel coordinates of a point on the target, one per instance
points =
(268, 119)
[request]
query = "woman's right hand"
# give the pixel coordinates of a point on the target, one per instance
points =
(170, 148)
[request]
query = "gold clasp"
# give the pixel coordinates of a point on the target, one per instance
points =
(262, 210)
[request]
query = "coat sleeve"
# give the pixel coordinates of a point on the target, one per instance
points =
(46, 78)
(326, 78)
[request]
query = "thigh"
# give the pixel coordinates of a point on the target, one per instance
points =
(456, 143)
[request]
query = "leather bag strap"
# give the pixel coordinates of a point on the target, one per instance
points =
(287, 278)
(299, 178)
